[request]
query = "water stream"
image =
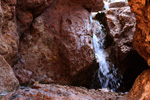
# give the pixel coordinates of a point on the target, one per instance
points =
(107, 73)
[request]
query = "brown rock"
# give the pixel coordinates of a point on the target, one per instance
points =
(121, 23)
(91, 5)
(99, 6)
(58, 92)
(8, 81)
(141, 88)
(8, 31)
(59, 45)
(118, 4)
(141, 40)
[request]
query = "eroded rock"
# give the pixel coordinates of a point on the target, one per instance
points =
(8, 81)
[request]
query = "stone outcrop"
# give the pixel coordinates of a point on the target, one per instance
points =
(58, 92)
(8, 31)
(141, 40)
(8, 81)
(141, 88)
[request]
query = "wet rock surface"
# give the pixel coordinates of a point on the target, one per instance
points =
(141, 39)
(58, 92)
(8, 81)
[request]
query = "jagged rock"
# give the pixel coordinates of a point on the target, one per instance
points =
(8, 81)
(58, 92)
(141, 40)
(59, 44)
(141, 88)
(8, 31)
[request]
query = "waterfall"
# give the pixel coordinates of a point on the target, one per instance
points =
(107, 73)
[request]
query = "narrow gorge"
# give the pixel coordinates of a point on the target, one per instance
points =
(74, 49)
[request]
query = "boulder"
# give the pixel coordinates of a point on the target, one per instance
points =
(141, 39)
(59, 92)
(8, 81)
(58, 46)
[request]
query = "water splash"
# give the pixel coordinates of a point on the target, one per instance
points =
(107, 73)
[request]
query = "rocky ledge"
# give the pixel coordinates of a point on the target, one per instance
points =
(59, 92)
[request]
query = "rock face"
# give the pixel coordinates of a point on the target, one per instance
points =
(141, 88)
(8, 30)
(57, 92)
(57, 45)
(8, 81)
(141, 40)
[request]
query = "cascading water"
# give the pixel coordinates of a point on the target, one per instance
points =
(107, 73)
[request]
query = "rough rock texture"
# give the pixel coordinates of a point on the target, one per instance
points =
(141, 40)
(58, 45)
(58, 92)
(8, 81)
(27, 10)
(141, 88)
(8, 30)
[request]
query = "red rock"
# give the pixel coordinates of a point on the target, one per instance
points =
(58, 92)
(91, 5)
(99, 6)
(141, 40)
(8, 81)
(59, 45)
